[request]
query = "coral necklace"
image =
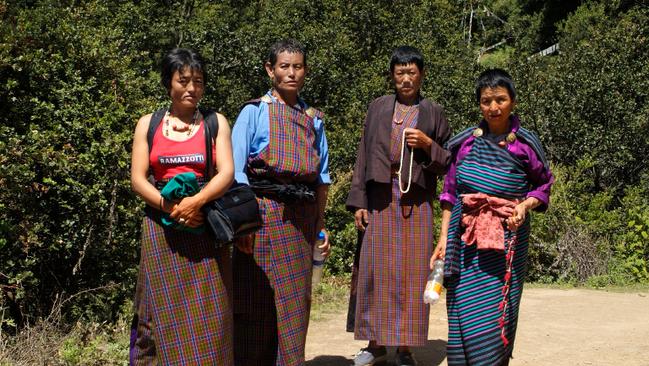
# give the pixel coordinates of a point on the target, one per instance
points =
(189, 127)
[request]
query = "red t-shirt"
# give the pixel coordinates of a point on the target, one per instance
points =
(169, 157)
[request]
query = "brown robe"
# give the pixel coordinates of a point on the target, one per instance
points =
(399, 247)
(373, 157)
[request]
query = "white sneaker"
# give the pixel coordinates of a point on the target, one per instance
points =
(370, 356)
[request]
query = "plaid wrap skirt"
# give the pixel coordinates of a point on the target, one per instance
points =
(272, 287)
(182, 311)
(393, 267)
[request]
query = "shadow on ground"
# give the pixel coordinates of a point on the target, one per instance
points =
(329, 361)
(432, 354)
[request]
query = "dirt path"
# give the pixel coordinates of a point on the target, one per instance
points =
(556, 327)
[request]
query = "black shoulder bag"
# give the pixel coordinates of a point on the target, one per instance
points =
(236, 213)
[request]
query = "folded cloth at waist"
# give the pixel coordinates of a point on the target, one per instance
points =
(160, 184)
(482, 218)
(285, 192)
(180, 186)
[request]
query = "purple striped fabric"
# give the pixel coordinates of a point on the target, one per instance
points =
(272, 288)
(182, 310)
(393, 266)
(474, 292)
(473, 305)
(527, 149)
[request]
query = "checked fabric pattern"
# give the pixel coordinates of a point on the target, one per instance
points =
(291, 152)
(393, 266)
(182, 309)
(272, 287)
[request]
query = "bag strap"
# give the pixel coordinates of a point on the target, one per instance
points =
(156, 118)
(211, 131)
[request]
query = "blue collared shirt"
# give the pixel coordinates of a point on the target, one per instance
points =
(251, 135)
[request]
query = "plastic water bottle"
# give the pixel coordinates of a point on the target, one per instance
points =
(435, 282)
(318, 260)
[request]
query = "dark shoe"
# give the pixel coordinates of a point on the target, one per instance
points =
(405, 359)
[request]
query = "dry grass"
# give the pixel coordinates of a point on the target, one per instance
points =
(579, 255)
(52, 342)
(84, 344)
(34, 345)
(331, 295)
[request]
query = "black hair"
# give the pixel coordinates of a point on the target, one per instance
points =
(176, 60)
(404, 55)
(289, 45)
(494, 78)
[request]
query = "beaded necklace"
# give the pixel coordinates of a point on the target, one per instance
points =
(176, 127)
(402, 111)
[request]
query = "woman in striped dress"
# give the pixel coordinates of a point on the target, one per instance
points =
(396, 214)
(498, 174)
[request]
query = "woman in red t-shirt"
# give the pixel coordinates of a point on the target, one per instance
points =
(182, 310)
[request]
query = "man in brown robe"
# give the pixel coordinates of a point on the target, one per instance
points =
(392, 192)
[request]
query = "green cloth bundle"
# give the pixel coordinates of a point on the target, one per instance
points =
(180, 186)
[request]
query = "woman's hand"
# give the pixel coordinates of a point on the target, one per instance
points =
(440, 251)
(517, 218)
(188, 212)
(325, 246)
(361, 218)
(245, 244)
(520, 213)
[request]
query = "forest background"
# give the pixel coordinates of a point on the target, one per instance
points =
(76, 75)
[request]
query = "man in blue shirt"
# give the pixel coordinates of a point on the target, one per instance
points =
(280, 149)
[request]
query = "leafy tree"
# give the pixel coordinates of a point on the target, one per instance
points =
(76, 75)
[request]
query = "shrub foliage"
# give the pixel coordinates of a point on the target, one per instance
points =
(76, 75)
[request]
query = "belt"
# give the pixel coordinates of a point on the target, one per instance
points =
(285, 192)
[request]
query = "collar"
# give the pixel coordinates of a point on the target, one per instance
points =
(300, 103)
(417, 101)
(514, 124)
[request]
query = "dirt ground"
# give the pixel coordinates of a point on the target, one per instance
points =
(556, 327)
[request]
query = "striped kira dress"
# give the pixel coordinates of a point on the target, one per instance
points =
(481, 332)
(397, 244)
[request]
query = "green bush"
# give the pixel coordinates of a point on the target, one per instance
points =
(632, 243)
(590, 236)
(76, 75)
(566, 243)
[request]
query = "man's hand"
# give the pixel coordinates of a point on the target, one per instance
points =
(325, 246)
(361, 218)
(416, 138)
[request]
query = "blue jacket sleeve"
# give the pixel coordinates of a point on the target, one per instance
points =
(243, 134)
(323, 150)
